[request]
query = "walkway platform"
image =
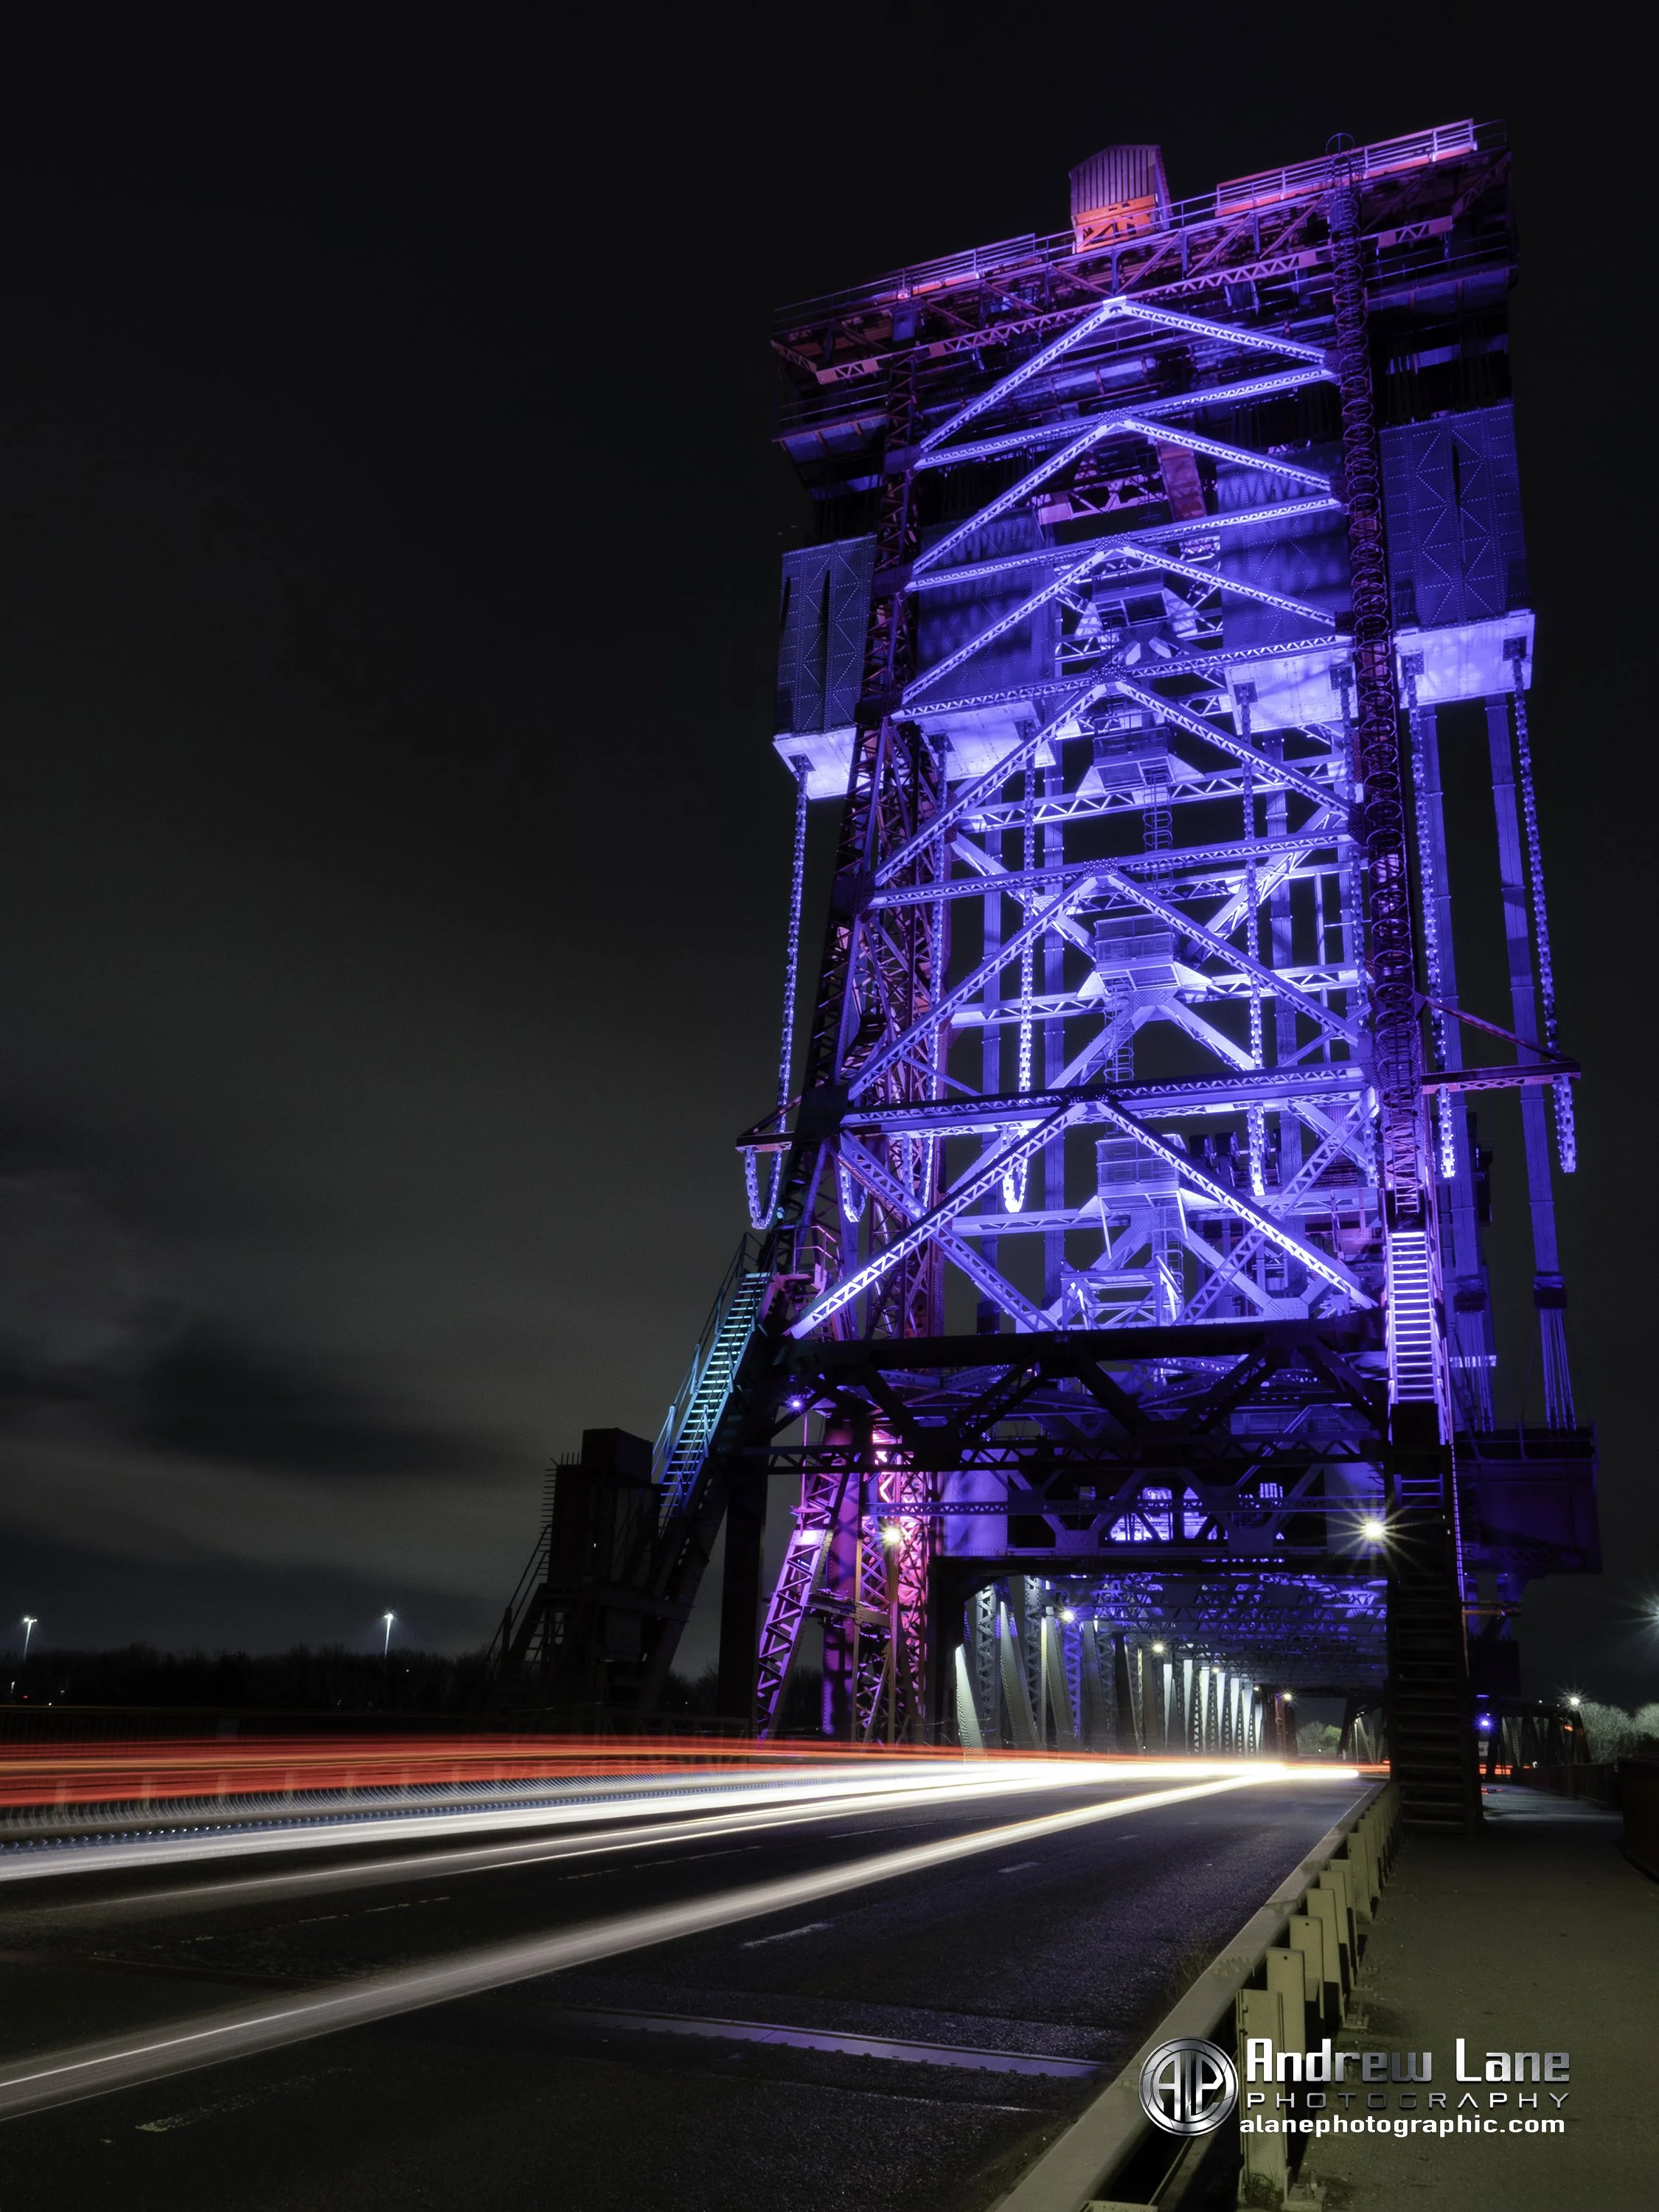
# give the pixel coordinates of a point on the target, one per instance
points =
(1536, 1935)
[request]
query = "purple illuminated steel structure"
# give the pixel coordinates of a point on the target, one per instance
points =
(1117, 1257)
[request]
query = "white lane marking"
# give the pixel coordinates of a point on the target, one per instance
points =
(90, 2070)
(962, 2056)
(1024, 1867)
(788, 1935)
(236, 2104)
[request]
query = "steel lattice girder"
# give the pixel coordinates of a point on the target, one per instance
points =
(1099, 1456)
(1282, 1624)
(1112, 687)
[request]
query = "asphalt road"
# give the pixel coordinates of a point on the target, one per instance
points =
(744, 2017)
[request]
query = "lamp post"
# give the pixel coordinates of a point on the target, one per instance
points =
(386, 1650)
(30, 1623)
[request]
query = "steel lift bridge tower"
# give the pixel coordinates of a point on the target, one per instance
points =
(1116, 1291)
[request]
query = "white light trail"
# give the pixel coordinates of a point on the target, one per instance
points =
(97, 2068)
(832, 1789)
(414, 1866)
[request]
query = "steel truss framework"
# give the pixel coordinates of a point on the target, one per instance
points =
(1116, 1215)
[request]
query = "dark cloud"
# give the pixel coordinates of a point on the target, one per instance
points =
(86, 1323)
(212, 1400)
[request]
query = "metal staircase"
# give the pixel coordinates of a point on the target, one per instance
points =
(693, 1421)
(1430, 1741)
(518, 1642)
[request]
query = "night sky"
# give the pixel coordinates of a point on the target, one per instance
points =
(392, 863)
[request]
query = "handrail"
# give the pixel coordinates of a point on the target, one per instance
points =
(1387, 157)
(1237, 196)
(529, 1582)
(746, 1262)
(748, 1249)
(1080, 2167)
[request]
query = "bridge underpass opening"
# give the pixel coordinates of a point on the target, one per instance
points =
(1172, 1663)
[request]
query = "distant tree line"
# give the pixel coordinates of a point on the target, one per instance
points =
(327, 1680)
(1615, 1734)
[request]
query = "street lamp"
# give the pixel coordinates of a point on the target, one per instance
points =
(30, 1623)
(1373, 1530)
(385, 1651)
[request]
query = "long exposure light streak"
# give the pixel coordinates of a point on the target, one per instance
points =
(96, 1773)
(876, 1784)
(97, 2068)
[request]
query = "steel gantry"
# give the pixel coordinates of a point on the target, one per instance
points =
(1117, 1229)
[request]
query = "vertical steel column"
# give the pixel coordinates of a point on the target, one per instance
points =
(1099, 1731)
(1015, 1697)
(840, 1692)
(1254, 1121)
(1549, 1290)
(1028, 1615)
(986, 1674)
(868, 980)
(1514, 651)
(1462, 1257)
(1056, 1689)
(989, 1315)
(1128, 1715)
(1391, 955)
(970, 1734)
(1053, 1062)
(1428, 1658)
(1281, 954)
